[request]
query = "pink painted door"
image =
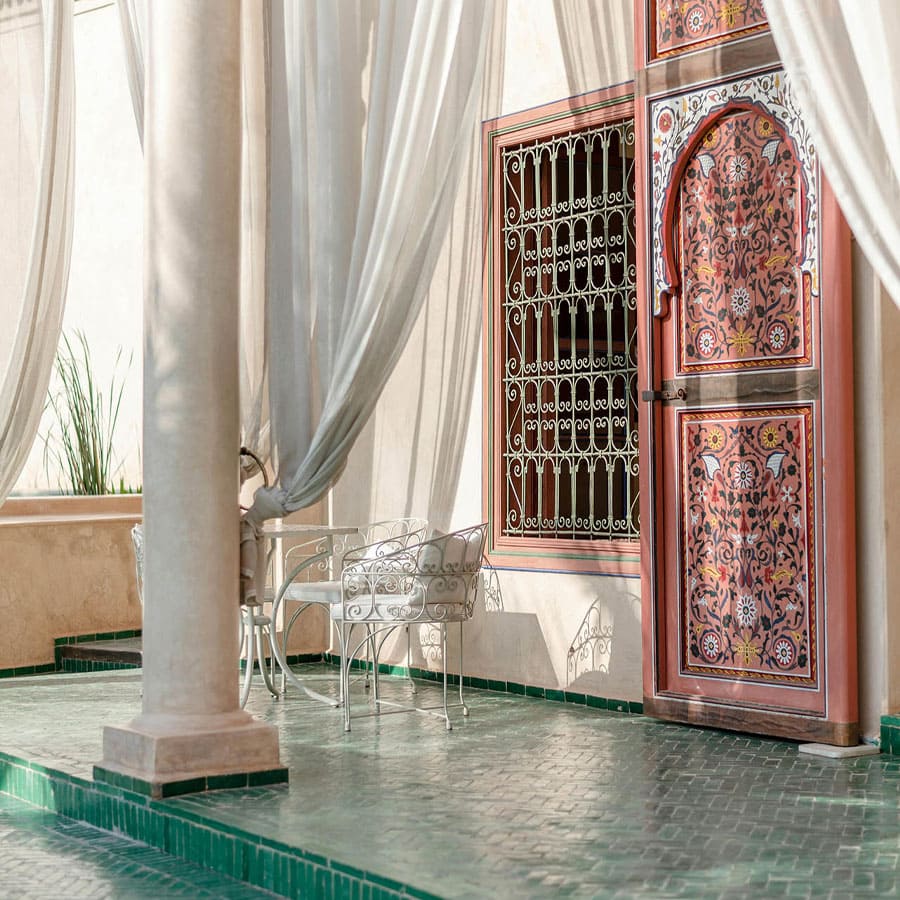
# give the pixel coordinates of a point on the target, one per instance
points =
(754, 616)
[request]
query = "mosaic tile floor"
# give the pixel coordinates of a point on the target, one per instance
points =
(526, 798)
(43, 856)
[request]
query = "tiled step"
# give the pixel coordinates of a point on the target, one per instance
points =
(98, 656)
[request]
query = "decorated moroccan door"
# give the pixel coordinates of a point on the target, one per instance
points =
(750, 622)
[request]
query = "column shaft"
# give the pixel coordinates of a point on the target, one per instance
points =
(191, 724)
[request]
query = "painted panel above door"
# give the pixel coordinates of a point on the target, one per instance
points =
(679, 26)
(741, 231)
(736, 155)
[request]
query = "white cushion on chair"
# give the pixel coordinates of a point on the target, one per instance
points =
(322, 592)
(380, 608)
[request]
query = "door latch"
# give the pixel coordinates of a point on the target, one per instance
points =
(653, 396)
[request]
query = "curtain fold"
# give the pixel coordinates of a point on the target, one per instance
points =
(36, 169)
(133, 20)
(255, 59)
(373, 108)
(843, 61)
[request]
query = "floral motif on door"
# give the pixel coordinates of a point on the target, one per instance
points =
(748, 568)
(744, 300)
(683, 23)
(680, 125)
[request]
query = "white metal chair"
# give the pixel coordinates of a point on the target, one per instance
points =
(255, 627)
(137, 544)
(320, 556)
(388, 585)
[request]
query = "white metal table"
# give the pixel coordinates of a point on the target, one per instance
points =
(321, 543)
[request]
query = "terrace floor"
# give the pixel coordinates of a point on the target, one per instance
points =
(525, 798)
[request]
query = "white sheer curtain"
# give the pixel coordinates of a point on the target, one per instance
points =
(843, 59)
(373, 106)
(133, 19)
(254, 197)
(36, 166)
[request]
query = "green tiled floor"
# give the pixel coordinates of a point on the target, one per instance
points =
(45, 856)
(526, 798)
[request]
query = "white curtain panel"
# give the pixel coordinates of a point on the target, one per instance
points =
(254, 383)
(254, 198)
(843, 61)
(373, 106)
(133, 19)
(36, 165)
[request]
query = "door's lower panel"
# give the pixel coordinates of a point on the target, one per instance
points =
(763, 722)
(747, 571)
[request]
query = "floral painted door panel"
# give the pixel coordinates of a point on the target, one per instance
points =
(744, 300)
(748, 545)
(746, 336)
(684, 25)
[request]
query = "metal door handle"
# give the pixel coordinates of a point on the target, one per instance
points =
(653, 396)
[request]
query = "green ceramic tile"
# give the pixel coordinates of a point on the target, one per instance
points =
(389, 883)
(533, 691)
(557, 696)
(271, 776)
(323, 883)
(617, 705)
(221, 782)
(572, 697)
(596, 702)
(635, 707)
(513, 687)
(177, 788)
(497, 685)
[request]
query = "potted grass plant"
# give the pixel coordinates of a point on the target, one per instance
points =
(80, 443)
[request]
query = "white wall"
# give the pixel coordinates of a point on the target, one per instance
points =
(421, 452)
(105, 292)
(877, 411)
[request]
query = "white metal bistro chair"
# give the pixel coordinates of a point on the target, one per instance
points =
(305, 561)
(386, 586)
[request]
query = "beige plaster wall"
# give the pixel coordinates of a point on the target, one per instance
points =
(66, 570)
(421, 452)
(890, 349)
(877, 421)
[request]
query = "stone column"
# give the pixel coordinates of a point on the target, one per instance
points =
(191, 731)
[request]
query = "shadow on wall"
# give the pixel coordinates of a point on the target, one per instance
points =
(603, 658)
(606, 648)
(590, 33)
(408, 459)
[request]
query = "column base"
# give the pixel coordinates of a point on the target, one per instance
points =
(163, 756)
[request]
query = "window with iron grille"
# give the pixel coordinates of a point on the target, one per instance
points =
(564, 335)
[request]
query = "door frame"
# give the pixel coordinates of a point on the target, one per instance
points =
(838, 580)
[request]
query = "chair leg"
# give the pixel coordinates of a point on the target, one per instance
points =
(345, 673)
(465, 709)
(444, 661)
(248, 630)
(409, 677)
(264, 632)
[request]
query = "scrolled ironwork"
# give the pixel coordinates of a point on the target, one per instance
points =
(569, 348)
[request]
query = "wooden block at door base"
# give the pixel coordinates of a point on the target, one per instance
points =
(752, 721)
